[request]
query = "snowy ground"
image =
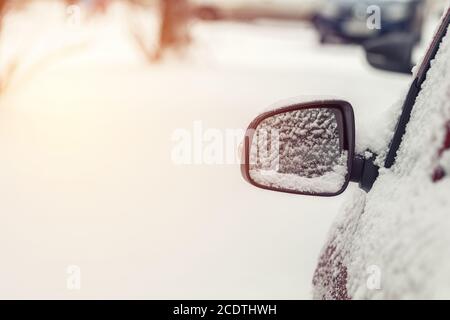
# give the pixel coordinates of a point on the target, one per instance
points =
(86, 172)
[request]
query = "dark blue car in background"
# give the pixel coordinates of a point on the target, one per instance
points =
(353, 20)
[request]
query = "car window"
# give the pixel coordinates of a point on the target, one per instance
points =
(420, 74)
(427, 127)
(428, 51)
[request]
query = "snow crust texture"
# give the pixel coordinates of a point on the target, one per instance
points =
(300, 151)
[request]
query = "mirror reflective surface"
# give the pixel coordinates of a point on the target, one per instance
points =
(300, 151)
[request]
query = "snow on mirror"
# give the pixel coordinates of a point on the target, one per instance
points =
(300, 151)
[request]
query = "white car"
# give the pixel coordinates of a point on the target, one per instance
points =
(251, 9)
(391, 240)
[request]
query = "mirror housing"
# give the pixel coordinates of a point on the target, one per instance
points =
(392, 52)
(310, 151)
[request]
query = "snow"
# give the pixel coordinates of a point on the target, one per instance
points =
(401, 226)
(444, 161)
(329, 182)
(300, 151)
(86, 175)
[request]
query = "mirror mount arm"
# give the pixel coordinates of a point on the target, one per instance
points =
(364, 171)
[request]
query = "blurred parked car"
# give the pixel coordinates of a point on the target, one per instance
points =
(391, 240)
(252, 9)
(348, 19)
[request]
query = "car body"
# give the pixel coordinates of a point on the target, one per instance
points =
(252, 9)
(353, 20)
(398, 232)
(391, 238)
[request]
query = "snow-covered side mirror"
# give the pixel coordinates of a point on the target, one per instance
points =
(304, 148)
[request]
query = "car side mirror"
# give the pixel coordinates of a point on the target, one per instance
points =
(304, 148)
(391, 53)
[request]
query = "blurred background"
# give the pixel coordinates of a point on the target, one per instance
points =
(92, 94)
